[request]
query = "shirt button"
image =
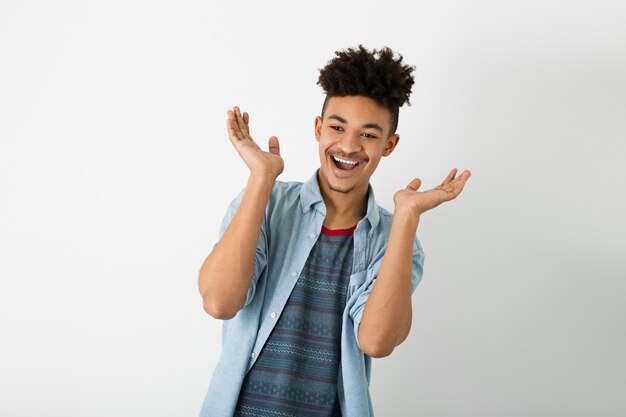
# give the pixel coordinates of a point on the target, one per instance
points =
(273, 315)
(294, 274)
(252, 355)
(312, 235)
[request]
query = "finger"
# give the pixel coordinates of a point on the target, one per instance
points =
(461, 179)
(414, 184)
(456, 186)
(232, 128)
(240, 122)
(232, 135)
(232, 116)
(466, 174)
(274, 145)
(450, 176)
(246, 121)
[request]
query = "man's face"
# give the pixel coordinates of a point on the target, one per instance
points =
(355, 129)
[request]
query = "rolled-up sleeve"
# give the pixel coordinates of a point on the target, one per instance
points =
(417, 270)
(260, 257)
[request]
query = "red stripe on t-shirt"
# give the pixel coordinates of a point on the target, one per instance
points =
(337, 232)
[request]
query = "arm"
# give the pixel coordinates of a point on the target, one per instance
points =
(387, 316)
(227, 272)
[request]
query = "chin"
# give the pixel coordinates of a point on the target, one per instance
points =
(335, 185)
(341, 190)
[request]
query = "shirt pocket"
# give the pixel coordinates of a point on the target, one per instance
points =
(357, 280)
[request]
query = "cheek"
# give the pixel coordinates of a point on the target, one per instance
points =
(324, 143)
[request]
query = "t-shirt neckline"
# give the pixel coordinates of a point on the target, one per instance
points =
(338, 232)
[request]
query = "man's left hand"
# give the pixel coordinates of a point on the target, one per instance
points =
(421, 201)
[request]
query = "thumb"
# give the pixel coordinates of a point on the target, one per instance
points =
(414, 184)
(274, 146)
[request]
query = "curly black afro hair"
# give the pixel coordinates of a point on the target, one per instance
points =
(376, 74)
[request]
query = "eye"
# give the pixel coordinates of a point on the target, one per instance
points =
(337, 128)
(369, 136)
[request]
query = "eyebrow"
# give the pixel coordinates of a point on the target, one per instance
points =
(365, 126)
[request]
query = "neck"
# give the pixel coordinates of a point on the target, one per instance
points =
(343, 210)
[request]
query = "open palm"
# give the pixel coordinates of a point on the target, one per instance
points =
(421, 201)
(258, 161)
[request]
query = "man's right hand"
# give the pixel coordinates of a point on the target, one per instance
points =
(259, 162)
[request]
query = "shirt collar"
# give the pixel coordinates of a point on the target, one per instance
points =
(311, 198)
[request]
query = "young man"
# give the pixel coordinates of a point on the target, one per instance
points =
(314, 279)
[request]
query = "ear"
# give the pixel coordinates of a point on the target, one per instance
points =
(318, 128)
(392, 142)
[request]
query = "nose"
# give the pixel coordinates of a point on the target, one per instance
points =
(350, 143)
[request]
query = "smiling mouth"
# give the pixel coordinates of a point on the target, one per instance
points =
(344, 164)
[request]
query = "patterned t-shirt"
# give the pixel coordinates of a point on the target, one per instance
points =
(296, 372)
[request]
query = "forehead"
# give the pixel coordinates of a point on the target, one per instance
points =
(358, 110)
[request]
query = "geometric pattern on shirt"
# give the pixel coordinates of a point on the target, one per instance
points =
(295, 374)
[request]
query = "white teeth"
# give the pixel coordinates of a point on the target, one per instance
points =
(344, 161)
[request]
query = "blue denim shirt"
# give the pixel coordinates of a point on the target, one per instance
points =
(291, 225)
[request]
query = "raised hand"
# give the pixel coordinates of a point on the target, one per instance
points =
(258, 161)
(421, 201)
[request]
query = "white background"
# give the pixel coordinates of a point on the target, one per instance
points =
(116, 170)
